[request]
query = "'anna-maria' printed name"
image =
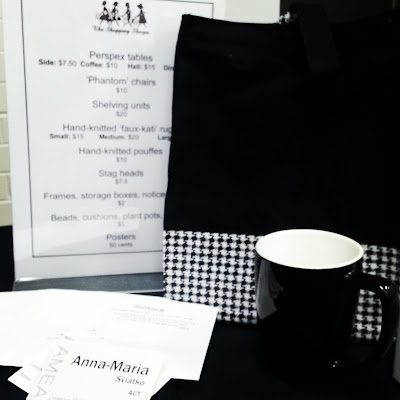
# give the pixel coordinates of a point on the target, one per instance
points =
(113, 366)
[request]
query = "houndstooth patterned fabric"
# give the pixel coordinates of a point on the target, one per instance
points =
(217, 269)
(385, 262)
(214, 269)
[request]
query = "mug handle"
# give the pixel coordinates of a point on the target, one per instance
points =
(388, 295)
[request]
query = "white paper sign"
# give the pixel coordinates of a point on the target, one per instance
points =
(89, 101)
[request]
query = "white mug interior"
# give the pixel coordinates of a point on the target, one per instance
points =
(309, 249)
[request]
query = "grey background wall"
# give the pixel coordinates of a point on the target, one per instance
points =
(5, 194)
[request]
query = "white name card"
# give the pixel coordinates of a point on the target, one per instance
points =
(96, 370)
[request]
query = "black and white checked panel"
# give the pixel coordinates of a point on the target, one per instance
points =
(212, 268)
(385, 262)
(218, 269)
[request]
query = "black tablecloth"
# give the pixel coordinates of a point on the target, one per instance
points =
(234, 368)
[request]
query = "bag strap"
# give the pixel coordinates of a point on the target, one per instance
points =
(318, 39)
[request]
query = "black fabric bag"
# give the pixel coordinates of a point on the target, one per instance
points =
(278, 126)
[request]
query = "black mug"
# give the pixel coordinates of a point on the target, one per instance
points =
(307, 287)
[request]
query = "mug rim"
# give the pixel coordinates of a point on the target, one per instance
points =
(261, 242)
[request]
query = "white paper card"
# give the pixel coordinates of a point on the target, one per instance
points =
(25, 376)
(181, 330)
(93, 370)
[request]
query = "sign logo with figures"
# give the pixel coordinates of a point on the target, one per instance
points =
(119, 19)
